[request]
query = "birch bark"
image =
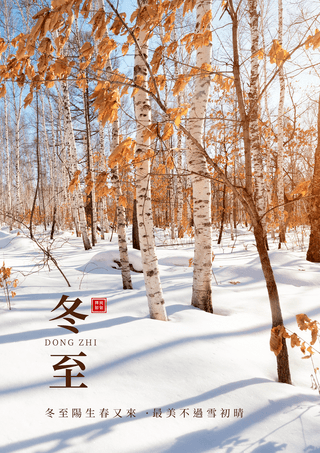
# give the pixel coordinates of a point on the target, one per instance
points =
(201, 187)
(313, 253)
(71, 145)
(143, 192)
(280, 181)
(121, 217)
(254, 110)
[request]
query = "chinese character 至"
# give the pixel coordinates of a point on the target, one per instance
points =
(63, 413)
(63, 366)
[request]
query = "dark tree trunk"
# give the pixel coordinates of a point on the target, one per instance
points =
(53, 222)
(222, 214)
(313, 253)
(282, 359)
(135, 228)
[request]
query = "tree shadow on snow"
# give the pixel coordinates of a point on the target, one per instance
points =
(230, 438)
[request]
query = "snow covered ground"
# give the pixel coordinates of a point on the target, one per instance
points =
(198, 383)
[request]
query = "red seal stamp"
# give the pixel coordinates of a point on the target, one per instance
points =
(99, 305)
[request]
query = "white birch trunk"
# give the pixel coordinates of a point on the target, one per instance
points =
(91, 170)
(144, 211)
(102, 204)
(280, 181)
(73, 162)
(202, 270)
(8, 176)
(121, 217)
(17, 111)
(179, 187)
(254, 111)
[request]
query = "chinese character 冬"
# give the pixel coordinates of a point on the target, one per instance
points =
(63, 366)
(69, 312)
(49, 412)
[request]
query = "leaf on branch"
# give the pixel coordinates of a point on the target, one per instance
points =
(89, 183)
(302, 320)
(3, 90)
(86, 51)
(75, 181)
(125, 150)
(313, 326)
(157, 59)
(170, 163)
(181, 82)
(125, 48)
(86, 8)
(172, 48)
(123, 201)
(105, 47)
(81, 81)
(277, 333)
(169, 22)
(206, 70)
(168, 131)
(225, 83)
(117, 27)
(295, 341)
(277, 53)
(206, 20)
(314, 40)
(259, 54)
(150, 132)
(188, 6)
(45, 46)
(176, 113)
(302, 188)
(28, 100)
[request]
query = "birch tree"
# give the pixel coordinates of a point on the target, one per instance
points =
(280, 170)
(143, 195)
(197, 166)
(313, 253)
